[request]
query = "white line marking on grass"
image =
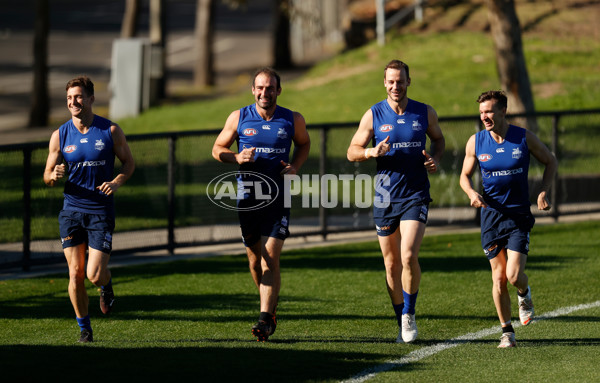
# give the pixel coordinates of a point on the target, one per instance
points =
(424, 352)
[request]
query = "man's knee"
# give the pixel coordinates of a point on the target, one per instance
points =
(410, 259)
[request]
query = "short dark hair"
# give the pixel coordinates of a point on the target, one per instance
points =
(84, 82)
(269, 72)
(396, 64)
(498, 95)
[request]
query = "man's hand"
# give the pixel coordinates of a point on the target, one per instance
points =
(108, 188)
(430, 163)
(287, 168)
(477, 200)
(380, 150)
(542, 201)
(246, 155)
(58, 172)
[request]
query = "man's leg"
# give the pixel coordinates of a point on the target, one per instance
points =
(97, 269)
(502, 298)
(411, 233)
(254, 262)
(75, 256)
(99, 274)
(390, 249)
(499, 289)
(515, 272)
(270, 282)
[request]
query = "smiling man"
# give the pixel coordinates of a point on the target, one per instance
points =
(264, 132)
(399, 127)
(502, 152)
(87, 144)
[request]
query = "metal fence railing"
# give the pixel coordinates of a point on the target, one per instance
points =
(165, 205)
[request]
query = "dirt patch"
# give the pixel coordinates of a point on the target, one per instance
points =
(333, 75)
(547, 90)
(537, 17)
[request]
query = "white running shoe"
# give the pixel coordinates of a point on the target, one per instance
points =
(507, 340)
(409, 328)
(399, 338)
(526, 308)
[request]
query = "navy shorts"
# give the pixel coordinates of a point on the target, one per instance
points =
(266, 222)
(94, 229)
(388, 219)
(501, 231)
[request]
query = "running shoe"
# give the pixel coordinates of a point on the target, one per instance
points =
(399, 337)
(107, 299)
(526, 308)
(273, 324)
(409, 328)
(86, 336)
(262, 330)
(507, 340)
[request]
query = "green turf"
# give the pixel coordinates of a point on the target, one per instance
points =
(191, 319)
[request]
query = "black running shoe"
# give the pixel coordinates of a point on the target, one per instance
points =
(273, 324)
(107, 299)
(86, 336)
(262, 330)
(274, 318)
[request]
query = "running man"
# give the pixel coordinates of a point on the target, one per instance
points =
(502, 152)
(399, 127)
(87, 144)
(264, 133)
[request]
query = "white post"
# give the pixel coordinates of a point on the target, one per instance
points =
(419, 10)
(380, 28)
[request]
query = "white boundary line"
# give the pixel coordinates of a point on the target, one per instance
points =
(424, 352)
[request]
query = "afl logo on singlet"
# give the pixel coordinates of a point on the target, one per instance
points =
(70, 148)
(484, 157)
(250, 132)
(386, 128)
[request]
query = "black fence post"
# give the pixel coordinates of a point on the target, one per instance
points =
(554, 200)
(26, 208)
(322, 170)
(171, 195)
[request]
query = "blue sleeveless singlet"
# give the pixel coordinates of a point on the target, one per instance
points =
(504, 169)
(403, 164)
(272, 140)
(90, 162)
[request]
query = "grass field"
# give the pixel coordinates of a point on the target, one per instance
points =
(191, 319)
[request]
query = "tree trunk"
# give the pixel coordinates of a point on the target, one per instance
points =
(158, 39)
(204, 73)
(281, 42)
(130, 18)
(40, 107)
(512, 69)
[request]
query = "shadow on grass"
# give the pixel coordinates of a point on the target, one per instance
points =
(229, 363)
(199, 308)
(559, 342)
(155, 307)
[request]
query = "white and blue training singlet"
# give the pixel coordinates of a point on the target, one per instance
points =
(504, 169)
(272, 140)
(404, 163)
(90, 162)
